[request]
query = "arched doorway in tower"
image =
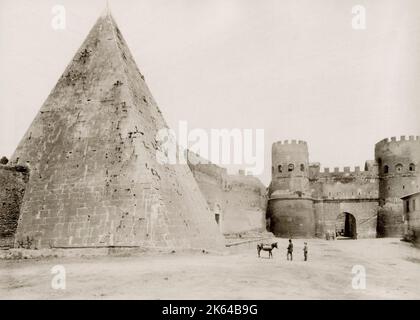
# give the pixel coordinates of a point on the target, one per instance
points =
(345, 226)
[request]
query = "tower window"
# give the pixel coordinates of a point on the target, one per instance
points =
(399, 167)
(412, 167)
(280, 168)
(386, 169)
(272, 169)
(302, 167)
(414, 205)
(291, 167)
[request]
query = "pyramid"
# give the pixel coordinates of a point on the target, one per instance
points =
(94, 177)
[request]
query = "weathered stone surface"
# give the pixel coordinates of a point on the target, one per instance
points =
(95, 180)
(238, 201)
(292, 217)
(12, 188)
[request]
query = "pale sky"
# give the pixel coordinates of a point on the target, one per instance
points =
(294, 68)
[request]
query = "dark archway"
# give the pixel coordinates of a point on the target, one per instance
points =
(217, 213)
(345, 226)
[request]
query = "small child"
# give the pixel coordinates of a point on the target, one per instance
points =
(305, 251)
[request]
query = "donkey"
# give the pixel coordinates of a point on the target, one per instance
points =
(266, 247)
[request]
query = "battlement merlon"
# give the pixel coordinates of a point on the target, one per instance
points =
(370, 168)
(400, 139)
(287, 142)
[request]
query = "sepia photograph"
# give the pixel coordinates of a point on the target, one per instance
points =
(210, 150)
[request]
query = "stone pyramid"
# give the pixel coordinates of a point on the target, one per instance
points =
(94, 178)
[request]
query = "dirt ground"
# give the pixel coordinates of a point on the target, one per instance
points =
(392, 272)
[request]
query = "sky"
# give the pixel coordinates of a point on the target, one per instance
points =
(295, 68)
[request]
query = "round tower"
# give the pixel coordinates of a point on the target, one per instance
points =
(398, 164)
(290, 207)
(290, 163)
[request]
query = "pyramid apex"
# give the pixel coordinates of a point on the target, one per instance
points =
(107, 11)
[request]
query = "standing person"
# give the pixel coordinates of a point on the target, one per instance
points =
(290, 250)
(305, 252)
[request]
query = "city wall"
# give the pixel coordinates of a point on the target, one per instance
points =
(237, 201)
(13, 181)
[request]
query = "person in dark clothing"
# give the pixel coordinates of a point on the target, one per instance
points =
(305, 252)
(290, 250)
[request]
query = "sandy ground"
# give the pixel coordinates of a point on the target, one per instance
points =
(392, 272)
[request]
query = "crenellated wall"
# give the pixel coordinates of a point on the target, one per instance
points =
(346, 184)
(352, 191)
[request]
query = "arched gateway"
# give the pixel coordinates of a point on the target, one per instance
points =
(345, 226)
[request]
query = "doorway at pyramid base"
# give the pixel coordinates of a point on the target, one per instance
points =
(295, 215)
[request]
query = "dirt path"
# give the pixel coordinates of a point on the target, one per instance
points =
(392, 268)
